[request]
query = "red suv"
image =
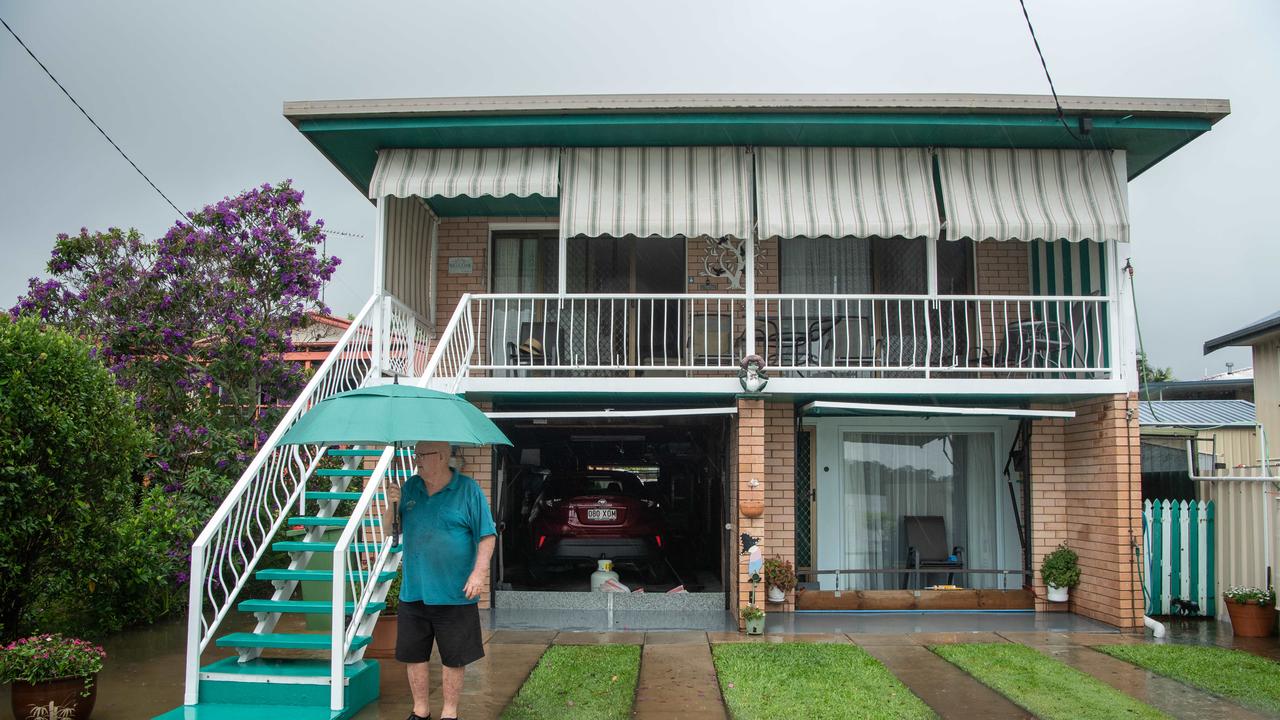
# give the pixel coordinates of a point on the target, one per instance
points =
(595, 514)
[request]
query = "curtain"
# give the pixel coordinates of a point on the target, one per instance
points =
(826, 266)
(889, 476)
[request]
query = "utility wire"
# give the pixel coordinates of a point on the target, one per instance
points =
(1061, 117)
(93, 122)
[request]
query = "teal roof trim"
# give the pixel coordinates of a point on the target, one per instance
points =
(352, 144)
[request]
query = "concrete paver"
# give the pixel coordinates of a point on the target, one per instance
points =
(523, 637)
(868, 639)
(678, 680)
(733, 637)
(675, 638)
(948, 638)
(595, 638)
(490, 685)
(951, 692)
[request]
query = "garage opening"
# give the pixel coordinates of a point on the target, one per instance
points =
(643, 489)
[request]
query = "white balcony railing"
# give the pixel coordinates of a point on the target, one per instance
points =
(801, 335)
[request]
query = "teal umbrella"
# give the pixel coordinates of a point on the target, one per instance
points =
(387, 414)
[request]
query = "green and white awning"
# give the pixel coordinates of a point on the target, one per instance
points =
(845, 192)
(656, 191)
(469, 172)
(1072, 195)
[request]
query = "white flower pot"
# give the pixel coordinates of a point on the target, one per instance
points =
(1057, 594)
(777, 595)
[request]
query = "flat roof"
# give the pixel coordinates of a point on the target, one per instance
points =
(1196, 413)
(350, 132)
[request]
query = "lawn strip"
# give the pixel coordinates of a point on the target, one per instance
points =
(952, 693)
(1049, 689)
(581, 682)
(807, 680)
(1233, 674)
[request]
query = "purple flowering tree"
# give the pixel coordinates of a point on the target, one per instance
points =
(196, 324)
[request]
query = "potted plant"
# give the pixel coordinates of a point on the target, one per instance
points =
(382, 644)
(1252, 611)
(51, 676)
(753, 618)
(779, 577)
(1060, 570)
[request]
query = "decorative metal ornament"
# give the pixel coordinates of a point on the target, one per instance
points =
(726, 257)
(751, 374)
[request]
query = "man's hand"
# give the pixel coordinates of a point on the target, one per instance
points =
(474, 586)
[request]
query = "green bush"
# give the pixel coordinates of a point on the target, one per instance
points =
(1061, 568)
(69, 443)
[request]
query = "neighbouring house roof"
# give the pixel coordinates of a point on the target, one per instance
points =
(1196, 413)
(1245, 335)
(350, 132)
(1241, 374)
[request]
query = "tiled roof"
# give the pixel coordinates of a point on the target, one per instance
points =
(1196, 413)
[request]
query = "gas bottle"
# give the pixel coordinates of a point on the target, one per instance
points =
(604, 571)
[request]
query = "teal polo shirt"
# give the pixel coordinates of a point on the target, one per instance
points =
(440, 536)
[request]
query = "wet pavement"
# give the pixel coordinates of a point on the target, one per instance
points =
(143, 676)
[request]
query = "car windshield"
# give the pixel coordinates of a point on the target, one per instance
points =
(594, 484)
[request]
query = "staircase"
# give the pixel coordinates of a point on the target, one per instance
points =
(291, 500)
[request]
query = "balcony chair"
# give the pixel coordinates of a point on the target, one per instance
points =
(766, 342)
(538, 344)
(844, 342)
(710, 342)
(1051, 344)
(927, 548)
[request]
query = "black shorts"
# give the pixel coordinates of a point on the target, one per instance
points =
(455, 629)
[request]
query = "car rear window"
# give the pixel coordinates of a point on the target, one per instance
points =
(575, 485)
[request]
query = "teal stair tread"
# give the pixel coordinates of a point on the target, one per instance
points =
(360, 452)
(316, 575)
(355, 472)
(279, 667)
(334, 495)
(301, 546)
(328, 521)
(310, 607)
(289, 641)
(236, 711)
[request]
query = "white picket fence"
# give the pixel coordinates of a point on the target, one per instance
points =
(1178, 539)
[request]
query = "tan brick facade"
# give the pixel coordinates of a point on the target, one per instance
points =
(750, 466)
(1002, 268)
(763, 449)
(1086, 491)
(780, 486)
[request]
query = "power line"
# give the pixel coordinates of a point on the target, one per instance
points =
(93, 122)
(1061, 118)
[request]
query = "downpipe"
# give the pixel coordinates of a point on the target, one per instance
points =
(1156, 627)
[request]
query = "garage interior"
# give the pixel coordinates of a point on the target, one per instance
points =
(682, 462)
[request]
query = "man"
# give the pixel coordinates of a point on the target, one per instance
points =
(448, 541)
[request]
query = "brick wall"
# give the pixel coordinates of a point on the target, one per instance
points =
(465, 237)
(780, 486)
(1002, 267)
(1086, 491)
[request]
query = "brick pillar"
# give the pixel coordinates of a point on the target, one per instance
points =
(750, 466)
(779, 487)
(1087, 492)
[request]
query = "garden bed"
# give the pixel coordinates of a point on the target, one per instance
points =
(582, 682)
(809, 680)
(1236, 675)
(1047, 688)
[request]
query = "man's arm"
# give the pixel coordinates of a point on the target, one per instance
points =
(484, 553)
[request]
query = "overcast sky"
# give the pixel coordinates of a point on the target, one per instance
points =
(193, 93)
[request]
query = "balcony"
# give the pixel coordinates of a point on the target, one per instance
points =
(856, 343)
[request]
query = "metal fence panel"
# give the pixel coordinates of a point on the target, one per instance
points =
(1179, 556)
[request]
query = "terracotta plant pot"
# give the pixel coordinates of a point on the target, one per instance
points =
(383, 642)
(751, 508)
(1251, 619)
(60, 698)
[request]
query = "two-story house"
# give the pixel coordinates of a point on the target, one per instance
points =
(890, 338)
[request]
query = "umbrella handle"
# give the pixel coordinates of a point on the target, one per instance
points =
(395, 523)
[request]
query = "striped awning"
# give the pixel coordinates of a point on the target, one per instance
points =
(662, 191)
(470, 172)
(1073, 195)
(845, 192)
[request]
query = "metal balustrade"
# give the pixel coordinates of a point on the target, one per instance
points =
(385, 336)
(1014, 336)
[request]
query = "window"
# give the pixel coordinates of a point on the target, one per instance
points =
(626, 265)
(525, 261)
(955, 267)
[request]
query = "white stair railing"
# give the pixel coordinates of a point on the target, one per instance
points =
(363, 551)
(227, 551)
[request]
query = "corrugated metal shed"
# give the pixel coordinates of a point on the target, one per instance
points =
(1196, 413)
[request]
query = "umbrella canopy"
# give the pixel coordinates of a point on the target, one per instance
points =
(386, 414)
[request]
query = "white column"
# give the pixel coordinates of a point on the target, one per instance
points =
(1124, 322)
(749, 267)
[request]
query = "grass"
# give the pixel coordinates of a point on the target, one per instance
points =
(1233, 674)
(579, 682)
(1047, 688)
(807, 680)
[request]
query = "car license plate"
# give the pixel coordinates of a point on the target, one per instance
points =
(602, 514)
